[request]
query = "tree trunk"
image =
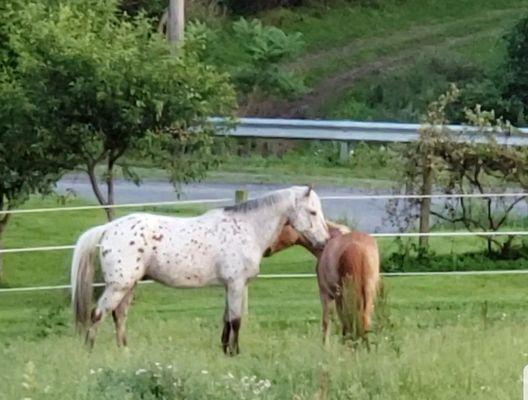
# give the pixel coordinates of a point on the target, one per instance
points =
(3, 224)
(110, 214)
(425, 205)
(97, 191)
(1, 261)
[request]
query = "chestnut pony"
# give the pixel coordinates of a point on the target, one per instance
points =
(347, 272)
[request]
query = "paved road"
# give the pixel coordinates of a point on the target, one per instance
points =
(366, 215)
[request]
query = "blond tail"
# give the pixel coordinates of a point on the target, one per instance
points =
(82, 274)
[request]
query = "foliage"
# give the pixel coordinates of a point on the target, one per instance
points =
(115, 87)
(468, 167)
(516, 75)
(265, 47)
(28, 162)
(252, 6)
(402, 94)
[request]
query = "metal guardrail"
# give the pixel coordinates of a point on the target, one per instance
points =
(353, 131)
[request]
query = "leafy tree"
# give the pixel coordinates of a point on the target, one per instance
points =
(28, 163)
(265, 47)
(115, 88)
(516, 73)
(441, 160)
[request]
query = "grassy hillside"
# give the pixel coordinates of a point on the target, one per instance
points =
(359, 61)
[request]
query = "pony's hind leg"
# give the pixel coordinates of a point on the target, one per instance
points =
(227, 328)
(112, 296)
(120, 315)
(325, 303)
(234, 308)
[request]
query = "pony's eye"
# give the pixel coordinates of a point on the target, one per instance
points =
(313, 212)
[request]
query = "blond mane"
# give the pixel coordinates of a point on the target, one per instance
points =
(341, 228)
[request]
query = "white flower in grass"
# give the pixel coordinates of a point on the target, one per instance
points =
(92, 372)
(141, 371)
(204, 371)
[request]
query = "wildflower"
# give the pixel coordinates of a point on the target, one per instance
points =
(92, 372)
(205, 372)
(140, 371)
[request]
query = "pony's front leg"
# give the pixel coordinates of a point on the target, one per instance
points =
(233, 316)
(120, 315)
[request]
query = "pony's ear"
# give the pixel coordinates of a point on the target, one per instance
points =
(310, 188)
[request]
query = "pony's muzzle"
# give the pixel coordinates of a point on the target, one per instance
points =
(320, 245)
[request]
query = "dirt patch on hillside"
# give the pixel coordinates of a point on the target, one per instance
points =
(334, 87)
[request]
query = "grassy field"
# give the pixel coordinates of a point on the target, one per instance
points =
(52, 268)
(439, 338)
(435, 338)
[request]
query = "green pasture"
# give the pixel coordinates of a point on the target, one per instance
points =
(436, 337)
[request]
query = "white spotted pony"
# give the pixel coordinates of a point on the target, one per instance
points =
(222, 246)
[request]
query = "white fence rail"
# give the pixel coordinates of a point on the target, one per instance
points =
(378, 235)
(284, 276)
(228, 200)
(295, 276)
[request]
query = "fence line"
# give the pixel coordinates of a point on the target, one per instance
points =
(126, 205)
(380, 235)
(295, 276)
(228, 200)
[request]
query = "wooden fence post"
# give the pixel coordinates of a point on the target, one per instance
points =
(241, 196)
(343, 151)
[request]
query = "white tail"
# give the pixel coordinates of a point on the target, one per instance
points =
(82, 273)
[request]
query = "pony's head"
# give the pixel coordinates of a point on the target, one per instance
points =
(307, 217)
(287, 238)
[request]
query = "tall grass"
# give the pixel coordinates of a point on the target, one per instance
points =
(439, 345)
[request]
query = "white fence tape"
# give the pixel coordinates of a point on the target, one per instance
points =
(126, 205)
(229, 200)
(283, 276)
(295, 276)
(379, 235)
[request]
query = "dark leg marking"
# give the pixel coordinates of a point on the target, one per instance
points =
(235, 328)
(225, 336)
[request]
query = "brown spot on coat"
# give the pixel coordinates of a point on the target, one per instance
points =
(141, 250)
(158, 237)
(131, 242)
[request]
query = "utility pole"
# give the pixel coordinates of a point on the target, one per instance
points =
(176, 21)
